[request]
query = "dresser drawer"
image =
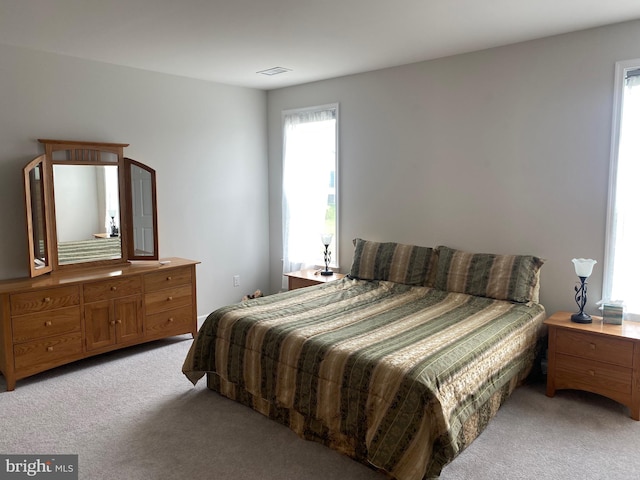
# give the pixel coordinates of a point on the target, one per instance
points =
(167, 279)
(597, 375)
(595, 347)
(43, 300)
(112, 288)
(47, 353)
(168, 299)
(45, 324)
(177, 319)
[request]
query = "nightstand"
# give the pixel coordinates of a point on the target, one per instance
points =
(595, 357)
(307, 278)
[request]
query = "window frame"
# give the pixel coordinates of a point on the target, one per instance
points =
(621, 69)
(335, 257)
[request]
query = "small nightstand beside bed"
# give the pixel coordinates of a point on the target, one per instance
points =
(595, 357)
(400, 365)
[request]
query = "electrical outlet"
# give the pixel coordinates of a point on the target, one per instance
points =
(236, 280)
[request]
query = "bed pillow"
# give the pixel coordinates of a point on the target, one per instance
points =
(503, 277)
(394, 262)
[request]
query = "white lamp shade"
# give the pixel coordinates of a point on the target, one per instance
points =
(584, 266)
(326, 238)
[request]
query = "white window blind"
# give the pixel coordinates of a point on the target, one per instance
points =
(622, 257)
(309, 186)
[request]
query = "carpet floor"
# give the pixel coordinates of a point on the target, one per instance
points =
(132, 415)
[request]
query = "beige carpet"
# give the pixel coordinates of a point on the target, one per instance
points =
(133, 415)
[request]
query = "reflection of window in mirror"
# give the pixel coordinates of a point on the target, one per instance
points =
(111, 209)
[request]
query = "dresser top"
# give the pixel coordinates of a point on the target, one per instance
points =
(79, 275)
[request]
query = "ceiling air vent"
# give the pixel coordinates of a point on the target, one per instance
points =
(274, 71)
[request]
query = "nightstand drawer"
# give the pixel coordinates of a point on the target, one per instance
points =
(301, 283)
(45, 324)
(309, 278)
(600, 376)
(595, 347)
(43, 300)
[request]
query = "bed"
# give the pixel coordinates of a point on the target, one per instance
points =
(400, 365)
(89, 250)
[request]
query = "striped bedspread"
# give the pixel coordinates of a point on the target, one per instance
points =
(399, 377)
(89, 250)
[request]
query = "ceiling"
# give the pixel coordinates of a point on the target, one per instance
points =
(229, 41)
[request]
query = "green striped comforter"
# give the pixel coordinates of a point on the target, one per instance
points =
(89, 250)
(402, 378)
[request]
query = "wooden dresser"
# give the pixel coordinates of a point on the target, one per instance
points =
(55, 319)
(595, 357)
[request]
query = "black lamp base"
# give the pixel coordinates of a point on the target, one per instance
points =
(326, 273)
(581, 318)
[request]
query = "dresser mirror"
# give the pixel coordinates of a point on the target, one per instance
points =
(87, 213)
(37, 219)
(87, 205)
(140, 183)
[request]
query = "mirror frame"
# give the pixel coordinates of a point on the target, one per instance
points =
(42, 196)
(82, 153)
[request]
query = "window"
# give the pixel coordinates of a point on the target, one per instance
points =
(309, 186)
(622, 261)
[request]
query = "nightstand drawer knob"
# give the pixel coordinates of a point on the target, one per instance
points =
(46, 299)
(49, 349)
(114, 288)
(169, 299)
(592, 346)
(170, 319)
(168, 278)
(47, 323)
(592, 373)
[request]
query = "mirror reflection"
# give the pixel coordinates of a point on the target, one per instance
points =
(143, 212)
(87, 212)
(36, 194)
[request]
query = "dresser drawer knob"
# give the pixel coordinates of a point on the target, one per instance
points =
(170, 319)
(592, 346)
(112, 322)
(49, 349)
(592, 373)
(47, 323)
(46, 299)
(169, 299)
(119, 322)
(169, 278)
(114, 288)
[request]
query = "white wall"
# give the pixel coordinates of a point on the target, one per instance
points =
(207, 142)
(77, 211)
(504, 150)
